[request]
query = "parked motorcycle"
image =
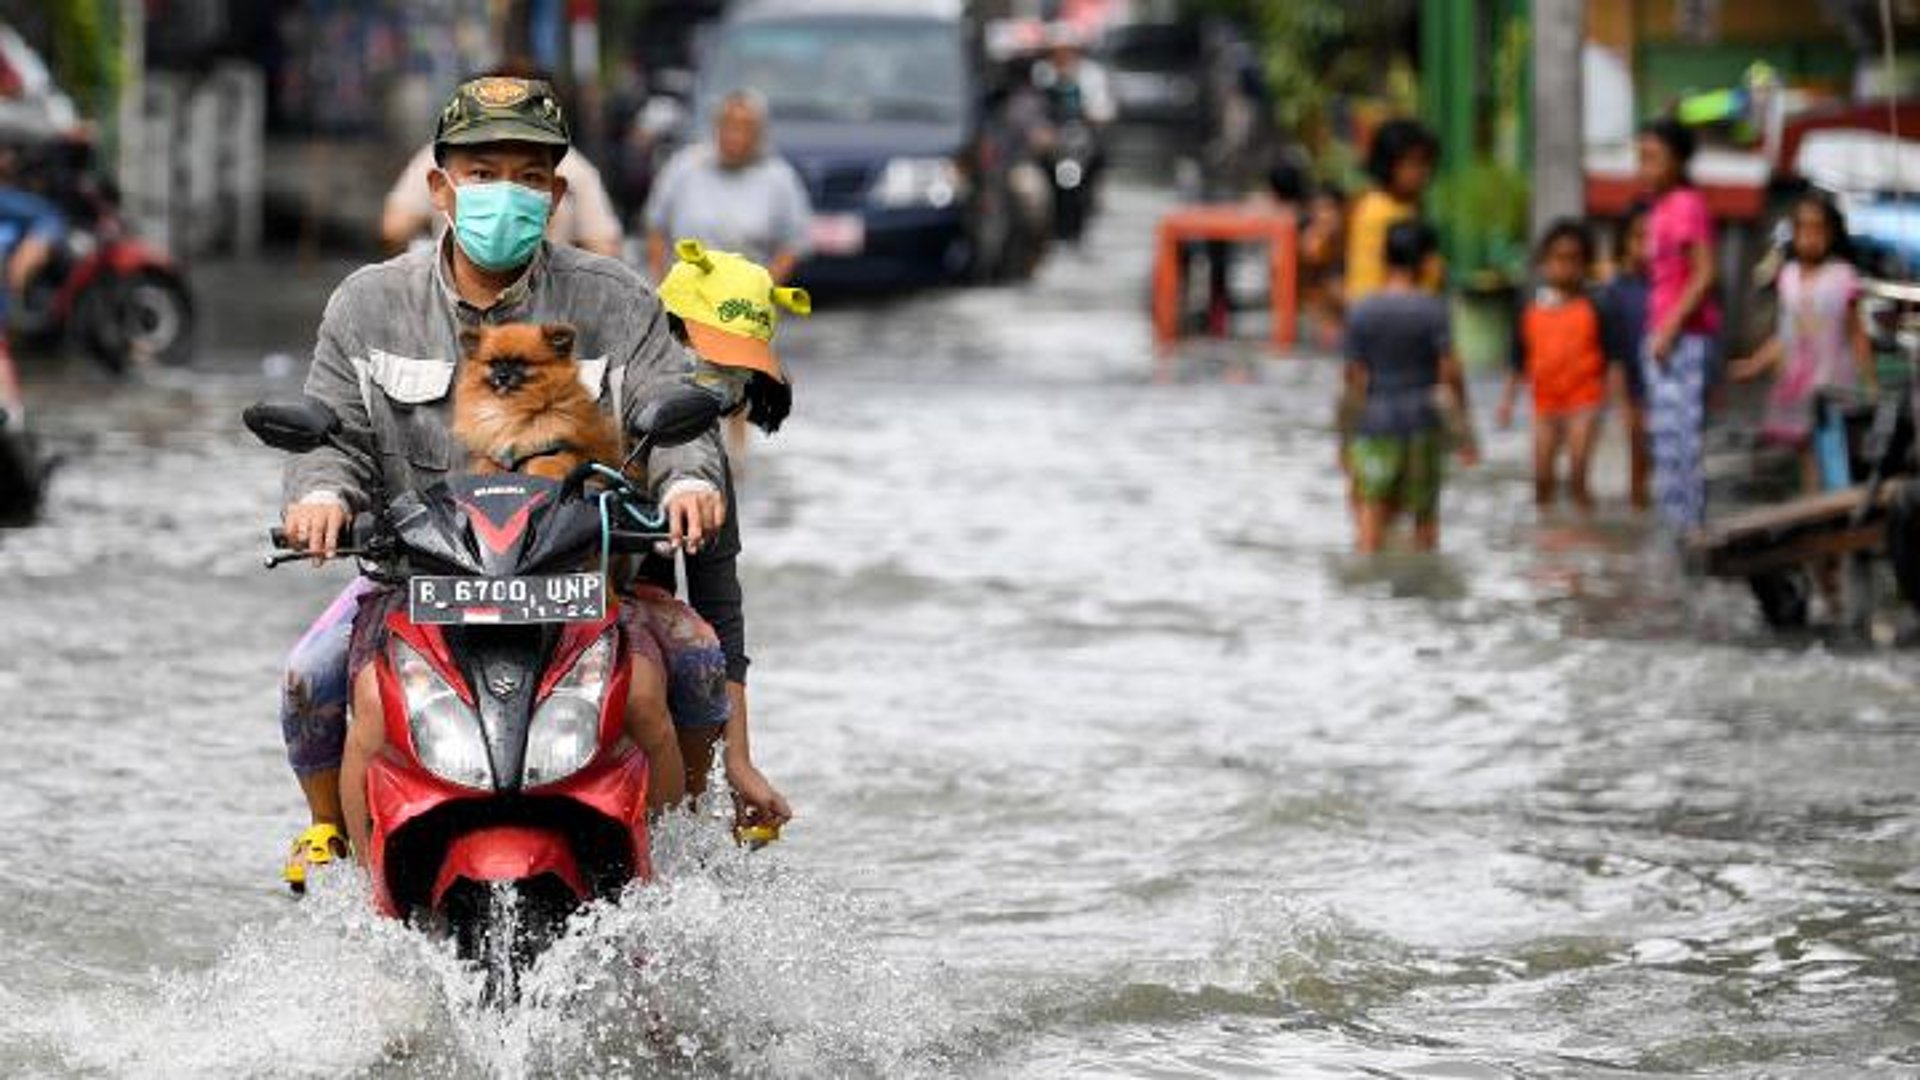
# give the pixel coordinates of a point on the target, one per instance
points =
(508, 793)
(122, 300)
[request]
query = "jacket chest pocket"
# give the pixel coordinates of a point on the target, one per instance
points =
(415, 393)
(593, 374)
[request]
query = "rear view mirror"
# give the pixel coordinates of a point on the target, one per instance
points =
(296, 426)
(679, 416)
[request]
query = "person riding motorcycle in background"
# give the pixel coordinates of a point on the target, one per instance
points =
(1075, 85)
(30, 229)
(385, 360)
(1080, 106)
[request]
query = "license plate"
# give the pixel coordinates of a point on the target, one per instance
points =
(839, 234)
(507, 600)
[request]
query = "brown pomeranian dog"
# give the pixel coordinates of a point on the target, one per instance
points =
(519, 405)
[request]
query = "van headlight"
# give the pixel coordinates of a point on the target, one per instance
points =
(912, 182)
(446, 731)
(566, 727)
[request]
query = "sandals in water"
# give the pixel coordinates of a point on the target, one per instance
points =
(318, 845)
(756, 836)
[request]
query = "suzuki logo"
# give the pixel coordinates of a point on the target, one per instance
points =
(503, 683)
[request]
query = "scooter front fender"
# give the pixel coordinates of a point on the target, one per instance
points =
(508, 853)
(398, 793)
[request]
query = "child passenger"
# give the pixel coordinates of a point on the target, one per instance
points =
(1557, 349)
(1402, 382)
(1820, 342)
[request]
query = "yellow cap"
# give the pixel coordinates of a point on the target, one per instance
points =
(728, 303)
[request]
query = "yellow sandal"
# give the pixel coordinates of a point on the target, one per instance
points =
(756, 836)
(318, 845)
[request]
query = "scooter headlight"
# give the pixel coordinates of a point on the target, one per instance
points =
(566, 727)
(446, 732)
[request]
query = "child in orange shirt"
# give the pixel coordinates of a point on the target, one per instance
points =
(1557, 348)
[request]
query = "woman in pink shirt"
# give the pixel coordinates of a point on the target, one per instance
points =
(1683, 323)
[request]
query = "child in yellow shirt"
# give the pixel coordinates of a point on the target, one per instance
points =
(1401, 161)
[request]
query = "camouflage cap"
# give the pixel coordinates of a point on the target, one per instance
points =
(501, 109)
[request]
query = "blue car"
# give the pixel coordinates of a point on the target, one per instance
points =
(876, 103)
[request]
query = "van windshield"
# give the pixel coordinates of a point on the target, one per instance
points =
(844, 70)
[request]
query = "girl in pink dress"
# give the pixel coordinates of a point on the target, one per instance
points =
(1820, 342)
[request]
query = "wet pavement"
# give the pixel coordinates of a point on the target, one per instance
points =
(1109, 760)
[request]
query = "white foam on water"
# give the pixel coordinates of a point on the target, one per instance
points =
(328, 989)
(728, 963)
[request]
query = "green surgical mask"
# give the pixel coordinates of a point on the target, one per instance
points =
(499, 223)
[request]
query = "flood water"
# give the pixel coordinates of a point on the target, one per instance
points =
(1108, 760)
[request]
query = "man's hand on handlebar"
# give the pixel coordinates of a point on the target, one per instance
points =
(316, 527)
(694, 516)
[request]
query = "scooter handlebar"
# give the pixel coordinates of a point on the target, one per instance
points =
(360, 541)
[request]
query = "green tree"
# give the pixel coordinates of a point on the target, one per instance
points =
(1315, 50)
(86, 55)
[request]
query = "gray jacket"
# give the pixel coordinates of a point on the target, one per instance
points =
(388, 350)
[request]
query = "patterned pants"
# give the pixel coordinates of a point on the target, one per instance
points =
(1676, 417)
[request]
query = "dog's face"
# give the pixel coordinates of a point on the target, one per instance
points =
(506, 358)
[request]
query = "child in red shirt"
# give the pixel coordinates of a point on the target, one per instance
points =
(1557, 348)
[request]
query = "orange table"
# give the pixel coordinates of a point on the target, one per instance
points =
(1232, 224)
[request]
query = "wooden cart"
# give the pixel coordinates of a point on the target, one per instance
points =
(1869, 516)
(1777, 548)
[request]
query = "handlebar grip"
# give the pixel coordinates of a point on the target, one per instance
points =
(359, 535)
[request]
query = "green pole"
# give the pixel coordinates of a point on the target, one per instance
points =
(1449, 76)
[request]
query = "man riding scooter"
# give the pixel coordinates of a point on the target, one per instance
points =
(29, 228)
(385, 362)
(1080, 108)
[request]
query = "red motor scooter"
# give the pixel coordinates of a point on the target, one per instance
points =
(508, 793)
(123, 300)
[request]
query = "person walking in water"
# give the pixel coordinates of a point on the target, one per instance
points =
(1683, 323)
(1402, 383)
(1557, 350)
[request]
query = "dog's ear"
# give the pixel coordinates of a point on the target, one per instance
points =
(470, 340)
(559, 338)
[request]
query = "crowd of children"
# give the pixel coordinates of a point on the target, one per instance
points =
(1646, 340)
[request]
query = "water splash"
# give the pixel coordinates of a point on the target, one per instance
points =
(728, 964)
(325, 990)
